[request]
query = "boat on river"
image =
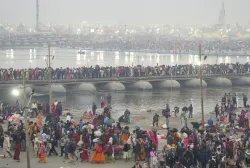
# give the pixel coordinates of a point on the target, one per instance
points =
(81, 52)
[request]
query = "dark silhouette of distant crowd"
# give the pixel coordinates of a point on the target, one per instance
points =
(121, 71)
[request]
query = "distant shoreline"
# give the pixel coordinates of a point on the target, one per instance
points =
(212, 53)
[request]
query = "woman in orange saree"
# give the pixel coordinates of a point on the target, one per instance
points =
(125, 134)
(98, 155)
(42, 153)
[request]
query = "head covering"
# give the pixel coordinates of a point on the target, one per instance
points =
(137, 127)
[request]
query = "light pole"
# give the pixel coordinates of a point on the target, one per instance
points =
(30, 63)
(25, 108)
(48, 63)
(201, 85)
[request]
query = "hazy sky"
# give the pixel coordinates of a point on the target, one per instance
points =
(124, 11)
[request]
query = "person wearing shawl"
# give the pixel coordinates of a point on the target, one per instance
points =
(125, 134)
(17, 139)
(154, 138)
(130, 141)
(44, 109)
(86, 136)
(109, 151)
(107, 135)
(98, 155)
(6, 145)
(59, 109)
(142, 154)
(85, 154)
(76, 137)
(53, 107)
(170, 139)
(36, 145)
(47, 109)
(42, 153)
(153, 158)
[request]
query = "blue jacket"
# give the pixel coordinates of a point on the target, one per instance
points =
(137, 148)
(204, 157)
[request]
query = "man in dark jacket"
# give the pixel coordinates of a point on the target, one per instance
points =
(190, 109)
(109, 97)
(94, 108)
(177, 165)
(72, 149)
(244, 100)
(155, 119)
(203, 157)
(53, 145)
(1, 136)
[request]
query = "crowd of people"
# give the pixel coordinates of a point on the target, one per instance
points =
(137, 42)
(121, 71)
(220, 143)
(161, 44)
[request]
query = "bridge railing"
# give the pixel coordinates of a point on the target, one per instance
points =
(128, 79)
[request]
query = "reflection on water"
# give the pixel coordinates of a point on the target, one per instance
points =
(139, 102)
(20, 58)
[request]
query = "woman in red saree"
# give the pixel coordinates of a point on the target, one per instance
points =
(53, 109)
(17, 139)
(44, 109)
(154, 138)
(76, 137)
(17, 152)
(85, 154)
(42, 153)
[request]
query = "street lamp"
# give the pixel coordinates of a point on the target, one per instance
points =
(15, 92)
(201, 84)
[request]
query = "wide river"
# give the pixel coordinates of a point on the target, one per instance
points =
(136, 102)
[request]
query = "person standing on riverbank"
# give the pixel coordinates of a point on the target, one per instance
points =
(245, 100)
(167, 114)
(155, 120)
(109, 98)
(190, 109)
(1, 135)
(94, 109)
(234, 100)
